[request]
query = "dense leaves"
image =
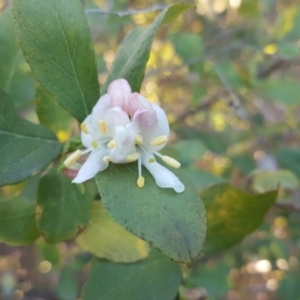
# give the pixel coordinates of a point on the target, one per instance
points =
(63, 208)
(173, 223)
(107, 239)
(232, 214)
(24, 147)
(56, 41)
(154, 278)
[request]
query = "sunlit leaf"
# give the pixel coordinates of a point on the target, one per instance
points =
(24, 147)
(173, 223)
(63, 208)
(56, 41)
(107, 239)
(232, 214)
(154, 278)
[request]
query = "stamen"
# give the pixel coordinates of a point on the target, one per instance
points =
(132, 157)
(138, 140)
(171, 161)
(140, 182)
(103, 127)
(106, 159)
(83, 128)
(152, 160)
(73, 158)
(159, 141)
(95, 144)
(112, 144)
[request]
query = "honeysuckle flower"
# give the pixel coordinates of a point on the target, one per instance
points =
(125, 127)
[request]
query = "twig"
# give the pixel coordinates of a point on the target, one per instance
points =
(235, 104)
(288, 206)
(127, 12)
(207, 103)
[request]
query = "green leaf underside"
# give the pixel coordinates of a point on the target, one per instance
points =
(56, 41)
(107, 239)
(232, 214)
(156, 278)
(24, 147)
(64, 209)
(173, 223)
(15, 77)
(134, 52)
(17, 222)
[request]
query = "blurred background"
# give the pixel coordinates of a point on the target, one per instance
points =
(227, 73)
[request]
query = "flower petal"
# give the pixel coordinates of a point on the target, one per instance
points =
(136, 102)
(146, 120)
(163, 177)
(88, 138)
(93, 165)
(119, 91)
(125, 145)
(100, 109)
(116, 117)
(162, 124)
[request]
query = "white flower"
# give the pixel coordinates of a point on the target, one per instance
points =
(125, 127)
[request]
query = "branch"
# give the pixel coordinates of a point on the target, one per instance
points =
(127, 12)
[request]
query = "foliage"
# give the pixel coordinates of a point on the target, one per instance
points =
(226, 73)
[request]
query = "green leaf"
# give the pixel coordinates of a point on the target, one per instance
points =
(282, 90)
(187, 45)
(249, 8)
(200, 178)
(269, 180)
(17, 221)
(173, 223)
(134, 52)
(15, 76)
(288, 50)
(213, 276)
(56, 41)
(64, 208)
(232, 214)
(107, 239)
(289, 158)
(52, 115)
(24, 147)
(189, 150)
(154, 278)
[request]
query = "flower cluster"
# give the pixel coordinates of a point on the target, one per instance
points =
(125, 127)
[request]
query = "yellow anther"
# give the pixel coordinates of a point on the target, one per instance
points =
(140, 182)
(112, 144)
(132, 157)
(103, 127)
(106, 159)
(73, 158)
(83, 128)
(138, 140)
(152, 160)
(95, 144)
(171, 161)
(159, 141)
